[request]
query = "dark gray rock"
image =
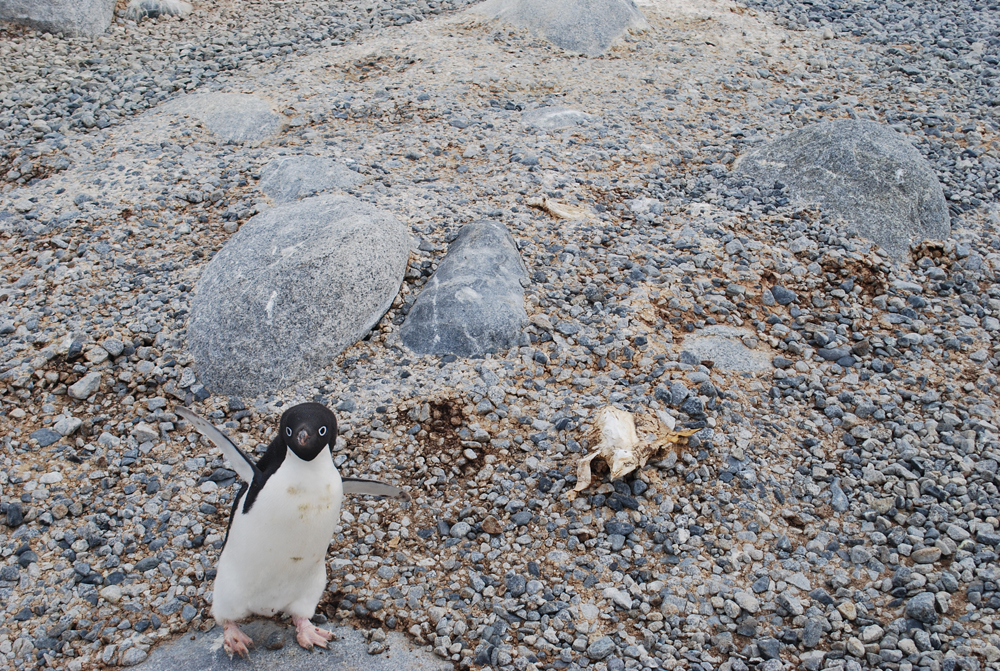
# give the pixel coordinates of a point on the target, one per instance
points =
(812, 633)
(862, 171)
(348, 650)
(45, 437)
(555, 117)
(783, 296)
(289, 178)
(474, 302)
(838, 499)
(73, 18)
(601, 648)
(233, 117)
(291, 289)
(922, 608)
(580, 26)
(833, 353)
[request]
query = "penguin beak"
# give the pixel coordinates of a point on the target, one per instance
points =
(302, 437)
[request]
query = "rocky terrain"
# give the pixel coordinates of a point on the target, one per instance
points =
(837, 506)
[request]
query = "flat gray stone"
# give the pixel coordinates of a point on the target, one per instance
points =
(74, 18)
(234, 117)
(724, 346)
(291, 289)
(348, 652)
(580, 26)
(862, 171)
(555, 117)
(289, 178)
(474, 303)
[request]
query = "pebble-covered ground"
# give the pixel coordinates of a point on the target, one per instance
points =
(837, 509)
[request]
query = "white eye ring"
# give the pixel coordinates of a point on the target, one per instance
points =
(322, 430)
(288, 431)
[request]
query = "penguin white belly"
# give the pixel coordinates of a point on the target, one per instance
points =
(275, 557)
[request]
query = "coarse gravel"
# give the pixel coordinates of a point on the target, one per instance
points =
(836, 510)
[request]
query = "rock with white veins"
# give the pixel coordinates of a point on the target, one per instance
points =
(474, 303)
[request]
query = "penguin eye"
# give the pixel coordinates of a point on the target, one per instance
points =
(288, 431)
(322, 430)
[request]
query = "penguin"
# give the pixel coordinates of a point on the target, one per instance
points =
(274, 554)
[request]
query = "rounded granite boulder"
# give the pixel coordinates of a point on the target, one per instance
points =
(291, 289)
(862, 171)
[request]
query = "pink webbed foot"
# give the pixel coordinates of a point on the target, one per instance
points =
(235, 641)
(308, 634)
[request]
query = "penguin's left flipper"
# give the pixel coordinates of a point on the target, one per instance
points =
(241, 463)
(373, 488)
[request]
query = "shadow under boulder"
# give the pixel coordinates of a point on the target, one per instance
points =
(862, 171)
(580, 26)
(291, 289)
(474, 302)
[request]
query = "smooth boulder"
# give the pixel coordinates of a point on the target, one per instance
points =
(723, 345)
(288, 178)
(579, 26)
(234, 118)
(73, 18)
(555, 117)
(291, 289)
(474, 302)
(862, 171)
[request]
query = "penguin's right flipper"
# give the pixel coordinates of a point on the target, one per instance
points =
(241, 463)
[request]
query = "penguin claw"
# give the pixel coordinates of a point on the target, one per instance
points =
(308, 635)
(235, 641)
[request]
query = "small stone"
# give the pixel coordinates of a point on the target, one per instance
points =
(67, 426)
(491, 525)
(855, 647)
(600, 648)
(747, 601)
(133, 656)
(783, 296)
(872, 633)
(113, 346)
(45, 437)
(927, 555)
(922, 608)
(143, 433)
(112, 594)
(460, 530)
(848, 610)
(86, 386)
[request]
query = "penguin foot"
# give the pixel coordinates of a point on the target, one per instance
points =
(308, 634)
(235, 641)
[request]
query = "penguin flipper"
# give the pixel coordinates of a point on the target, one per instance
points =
(373, 488)
(238, 459)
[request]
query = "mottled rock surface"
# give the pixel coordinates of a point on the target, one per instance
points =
(295, 286)
(289, 178)
(862, 171)
(474, 303)
(580, 26)
(70, 17)
(232, 117)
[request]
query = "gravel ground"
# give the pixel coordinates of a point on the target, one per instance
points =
(838, 509)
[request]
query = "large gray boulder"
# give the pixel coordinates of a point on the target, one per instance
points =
(862, 171)
(73, 18)
(289, 178)
(474, 302)
(275, 649)
(234, 118)
(580, 26)
(291, 289)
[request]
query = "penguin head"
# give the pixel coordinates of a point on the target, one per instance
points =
(307, 428)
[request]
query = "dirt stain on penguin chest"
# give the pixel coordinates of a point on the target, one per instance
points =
(316, 505)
